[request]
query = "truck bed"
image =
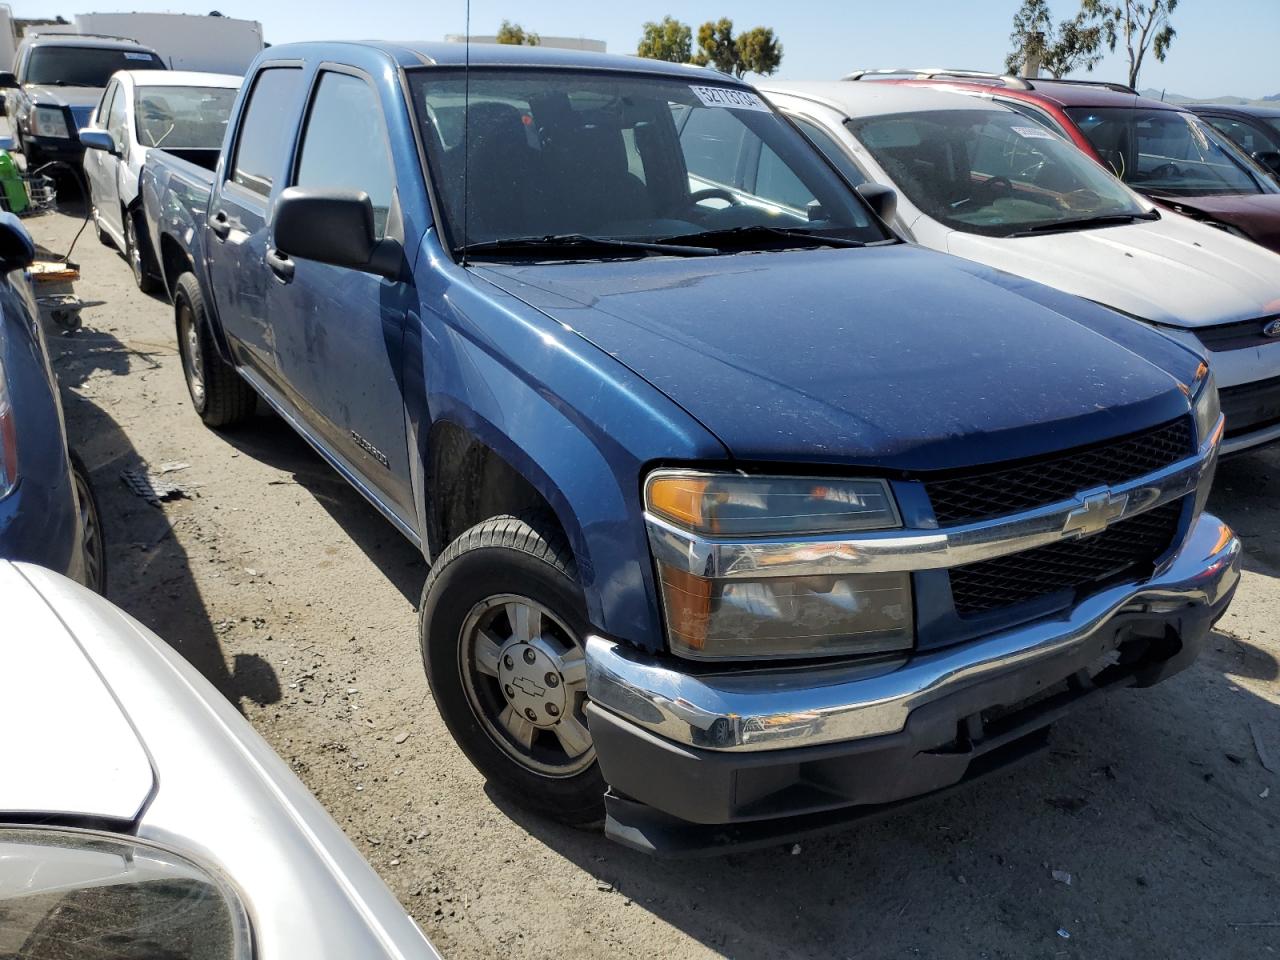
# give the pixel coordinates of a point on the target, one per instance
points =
(204, 157)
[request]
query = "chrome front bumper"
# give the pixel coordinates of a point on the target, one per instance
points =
(782, 708)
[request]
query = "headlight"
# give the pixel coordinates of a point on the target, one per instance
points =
(749, 614)
(1204, 405)
(8, 440)
(50, 122)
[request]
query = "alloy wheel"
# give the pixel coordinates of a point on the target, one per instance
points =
(525, 676)
(91, 544)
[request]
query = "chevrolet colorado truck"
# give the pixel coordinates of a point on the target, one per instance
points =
(743, 516)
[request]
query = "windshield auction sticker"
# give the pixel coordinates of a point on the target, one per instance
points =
(1035, 133)
(728, 97)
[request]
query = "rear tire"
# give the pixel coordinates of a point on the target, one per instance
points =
(218, 393)
(502, 627)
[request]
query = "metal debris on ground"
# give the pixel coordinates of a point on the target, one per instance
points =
(173, 466)
(1062, 876)
(152, 487)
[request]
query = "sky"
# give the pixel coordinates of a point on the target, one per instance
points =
(1223, 47)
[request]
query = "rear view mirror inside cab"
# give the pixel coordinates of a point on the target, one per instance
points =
(890, 134)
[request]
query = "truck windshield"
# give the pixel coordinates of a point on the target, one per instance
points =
(531, 155)
(1167, 152)
(993, 172)
(75, 66)
(183, 117)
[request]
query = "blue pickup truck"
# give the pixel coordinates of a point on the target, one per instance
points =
(743, 516)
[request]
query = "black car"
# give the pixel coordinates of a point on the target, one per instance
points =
(1254, 129)
(56, 82)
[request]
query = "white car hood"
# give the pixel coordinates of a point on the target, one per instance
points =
(1172, 270)
(60, 721)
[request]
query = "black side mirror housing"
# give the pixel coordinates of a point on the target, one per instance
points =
(17, 249)
(882, 200)
(1270, 159)
(8, 81)
(334, 227)
(96, 139)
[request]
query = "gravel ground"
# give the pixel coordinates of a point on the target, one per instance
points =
(297, 600)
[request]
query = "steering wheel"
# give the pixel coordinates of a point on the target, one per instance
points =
(714, 193)
(1000, 185)
(1166, 170)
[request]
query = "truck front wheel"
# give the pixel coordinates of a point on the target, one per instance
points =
(220, 396)
(502, 627)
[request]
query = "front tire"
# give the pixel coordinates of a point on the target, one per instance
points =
(97, 229)
(138, 253)
(219, 395)
(502, 628)
(92, 544)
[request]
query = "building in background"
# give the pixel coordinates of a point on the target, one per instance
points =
(562, 43)
(186, 41)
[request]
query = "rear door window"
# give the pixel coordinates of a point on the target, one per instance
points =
(344, 145)
(263, 141)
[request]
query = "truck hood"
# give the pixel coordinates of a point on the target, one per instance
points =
(895, 357)
(62, 721)
(1257, 215)
(1172, 271)
(48, 96)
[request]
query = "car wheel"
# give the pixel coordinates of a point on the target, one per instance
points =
(97, 228)
(502, 627)
(92, 545)
(220, 396)
(137, 253)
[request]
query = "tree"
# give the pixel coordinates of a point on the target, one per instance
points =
(1072, 45)
(1144, 25)
(756, 51)
(716, 47)
(669, 40)
(515, 34)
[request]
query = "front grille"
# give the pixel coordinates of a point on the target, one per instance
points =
(1250, 406)
(1127, 549)
(999, 491)
(1237, 336)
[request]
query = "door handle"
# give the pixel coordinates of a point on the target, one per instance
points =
(220, 224)
(279, 263)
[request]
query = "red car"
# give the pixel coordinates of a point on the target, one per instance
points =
(1159, 149)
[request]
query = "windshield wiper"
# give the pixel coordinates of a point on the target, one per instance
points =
(577, 244)
(746, 238)
(1084, 223)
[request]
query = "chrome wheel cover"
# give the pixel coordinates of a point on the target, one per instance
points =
(192, 355)
(525, 677)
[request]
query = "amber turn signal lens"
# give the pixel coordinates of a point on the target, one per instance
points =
(679, 499)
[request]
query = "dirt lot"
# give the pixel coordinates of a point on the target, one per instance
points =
(297, 601)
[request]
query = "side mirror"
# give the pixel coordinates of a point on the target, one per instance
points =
(17, 250)
(882, 200)
(99, 140)
(334, 227)
(8, 81)
(1270, 159)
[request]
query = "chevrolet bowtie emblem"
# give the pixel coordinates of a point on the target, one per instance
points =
(1095, 513)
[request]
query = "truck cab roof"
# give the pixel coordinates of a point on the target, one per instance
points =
(410, 54)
